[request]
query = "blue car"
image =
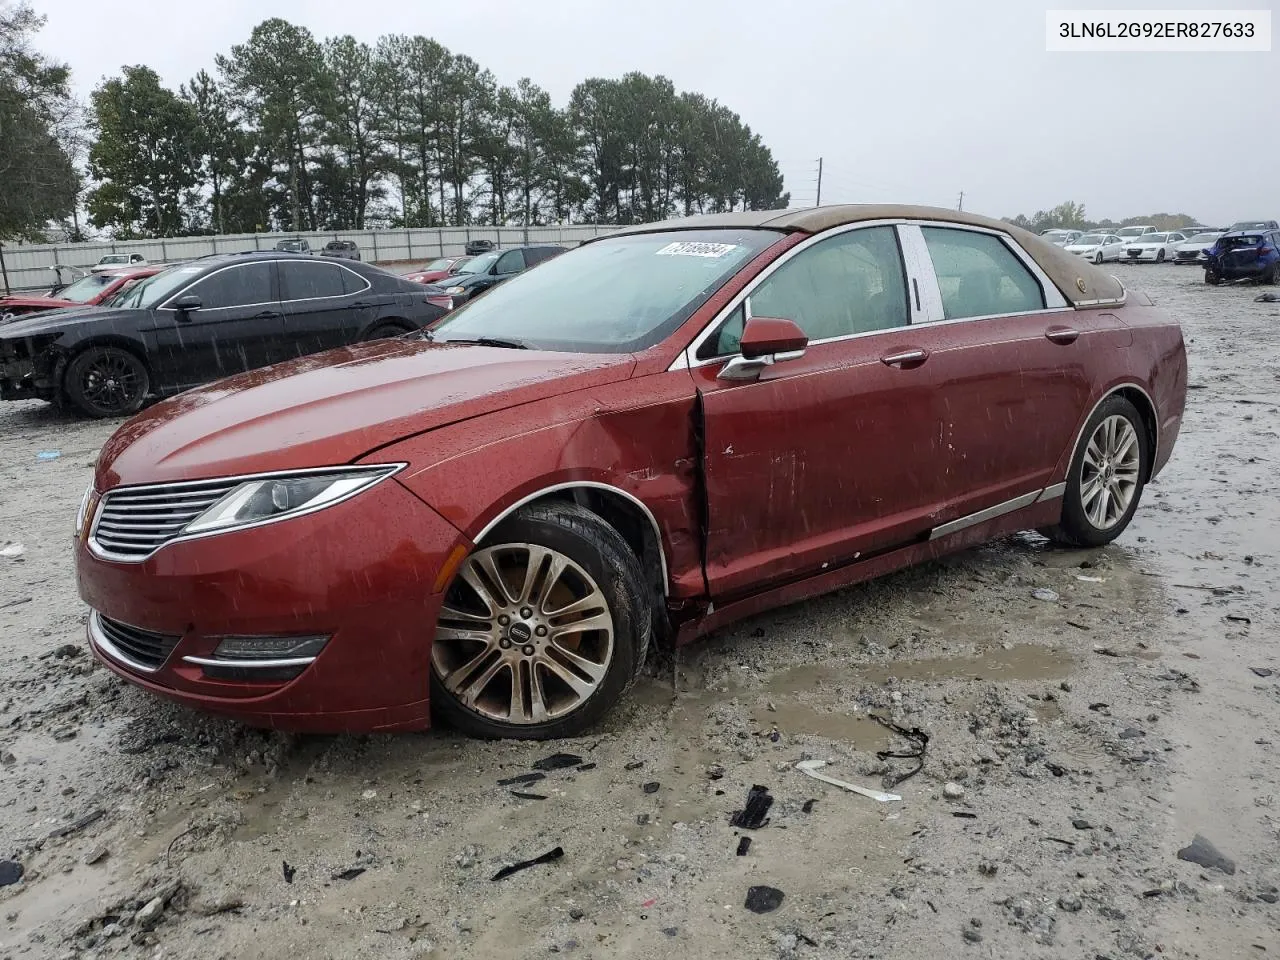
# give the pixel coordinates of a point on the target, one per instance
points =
(1244, 255)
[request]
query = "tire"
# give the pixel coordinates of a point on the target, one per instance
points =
(1079, 525)
(1272, 276)
(384, 331)
(1211, 277)
(107, 381)
(1097, 258)
(479, 654)
(1159, 256)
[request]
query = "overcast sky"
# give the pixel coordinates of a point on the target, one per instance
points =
(905, 101)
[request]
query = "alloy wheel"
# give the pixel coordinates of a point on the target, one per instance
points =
(1110, 472)
(111, 382)
(526, 635)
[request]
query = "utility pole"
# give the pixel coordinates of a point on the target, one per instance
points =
(960, 206)
(818, 202)
(5, 271)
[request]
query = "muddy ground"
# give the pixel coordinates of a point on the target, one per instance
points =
(1088, 735)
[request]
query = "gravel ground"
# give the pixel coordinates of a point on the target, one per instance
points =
(1079, 738)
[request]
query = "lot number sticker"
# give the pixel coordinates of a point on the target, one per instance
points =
(688, 248)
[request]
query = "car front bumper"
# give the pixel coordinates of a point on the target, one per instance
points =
(362, 573)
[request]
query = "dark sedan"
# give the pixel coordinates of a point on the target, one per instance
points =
(202, 320)
(490, 269)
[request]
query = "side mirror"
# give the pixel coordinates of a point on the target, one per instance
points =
(188, 304)
(765, 341)
(765, 336)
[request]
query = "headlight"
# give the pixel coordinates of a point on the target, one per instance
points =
(278, 498)
(82, 515)
(454, 291)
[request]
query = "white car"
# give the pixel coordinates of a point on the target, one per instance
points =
(1129, 234)
(1155, 247)
(1192, 251)
(113, 261)
(1097, 247)
(1061, 237)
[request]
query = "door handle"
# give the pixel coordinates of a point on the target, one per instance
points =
(905, 358)
(1063, 335)
(266, 315)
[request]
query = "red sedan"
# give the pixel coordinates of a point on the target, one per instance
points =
(643, 440)
(438, 270)
(88, 291)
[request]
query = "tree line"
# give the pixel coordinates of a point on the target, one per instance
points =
(1071, 216)
(292, 132)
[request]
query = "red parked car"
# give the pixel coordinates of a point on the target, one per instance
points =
(647, 438)
(88, 291)
(438, 270)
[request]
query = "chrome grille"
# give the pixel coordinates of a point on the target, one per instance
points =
(134, 522)
(142, 647)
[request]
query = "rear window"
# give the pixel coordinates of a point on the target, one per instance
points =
(1234, 243)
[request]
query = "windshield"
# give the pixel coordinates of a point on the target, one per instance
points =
(1204, 237)
(480, 264)
(152, 291)
(1130, 232)
(441, 264)
(1089, 240)
(85, 289)
(610, 296)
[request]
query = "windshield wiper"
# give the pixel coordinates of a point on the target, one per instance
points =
(491, 342)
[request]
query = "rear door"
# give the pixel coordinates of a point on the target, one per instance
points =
(325, 305)
(835, 454)
(238, 326)
(1011, 360)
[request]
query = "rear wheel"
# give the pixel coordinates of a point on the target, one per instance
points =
(107, 382)
(1272, 276)
(1212, 278)
(384, 331)
(1106, 479)
(544, 628)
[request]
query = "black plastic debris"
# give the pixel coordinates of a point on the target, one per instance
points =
(651, 787)
(10, 872)
(1131, 733)
(1057, 769)
(523, 778)
(584, 767)
(558, 761)
(1263, 672)
(764, 899)
(756, 813)
(744, 844)
(551, 856)
(917, 736)
(964, 815)
(287, 870)
(1201, 851)
(808, 806)
(349, 874)
(520, 794)
(634, 765)
(78, 825)
(1080, 823)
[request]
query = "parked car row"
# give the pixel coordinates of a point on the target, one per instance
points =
(194, 322)
(652, 435)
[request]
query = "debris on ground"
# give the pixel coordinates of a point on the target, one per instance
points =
(288, 871)
(1201, 851)
(551, 856)
(811, 767)
(524, 778)
(764, 899)
(10, 872)
(1263, 672)
(94, 855)
(48, 454)
(756, 812)
(521, 795)
(350, 873)
(1045, 594)
(952, 791)
(559, 761)
(744, 844)
(651, 787)
(76, 826)
(12, 551)
(921, 740)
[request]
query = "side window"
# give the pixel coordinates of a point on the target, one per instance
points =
(309, 281)
(510, 262)
(727, 341)
(352, 282)
(247, 284)
(979, 276)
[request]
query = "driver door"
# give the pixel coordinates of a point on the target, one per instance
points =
(832, 455)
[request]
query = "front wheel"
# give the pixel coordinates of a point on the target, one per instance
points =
(1097, 258)
(1107, 476)
(1212, 278)
(543, 629)
(1159, 256)
(107, 382)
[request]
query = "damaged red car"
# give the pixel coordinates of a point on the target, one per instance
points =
(643, 440)
(88, 291)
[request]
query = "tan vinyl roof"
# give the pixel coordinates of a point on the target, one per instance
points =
(1080, 282)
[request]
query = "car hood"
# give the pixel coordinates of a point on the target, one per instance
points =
(332, 408)
(55, 321)
(1073, 247)
(39, 303)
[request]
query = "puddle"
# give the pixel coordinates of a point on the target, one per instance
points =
(1023, 662)
(795, 718)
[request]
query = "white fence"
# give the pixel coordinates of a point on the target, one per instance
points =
(28, 265)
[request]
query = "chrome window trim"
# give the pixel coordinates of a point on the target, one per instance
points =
(592, 485)
(104, 554)
(368, 285)
(322, 263)
(931, 298)
(98, 638)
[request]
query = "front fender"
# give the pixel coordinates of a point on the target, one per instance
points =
(636, 437)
